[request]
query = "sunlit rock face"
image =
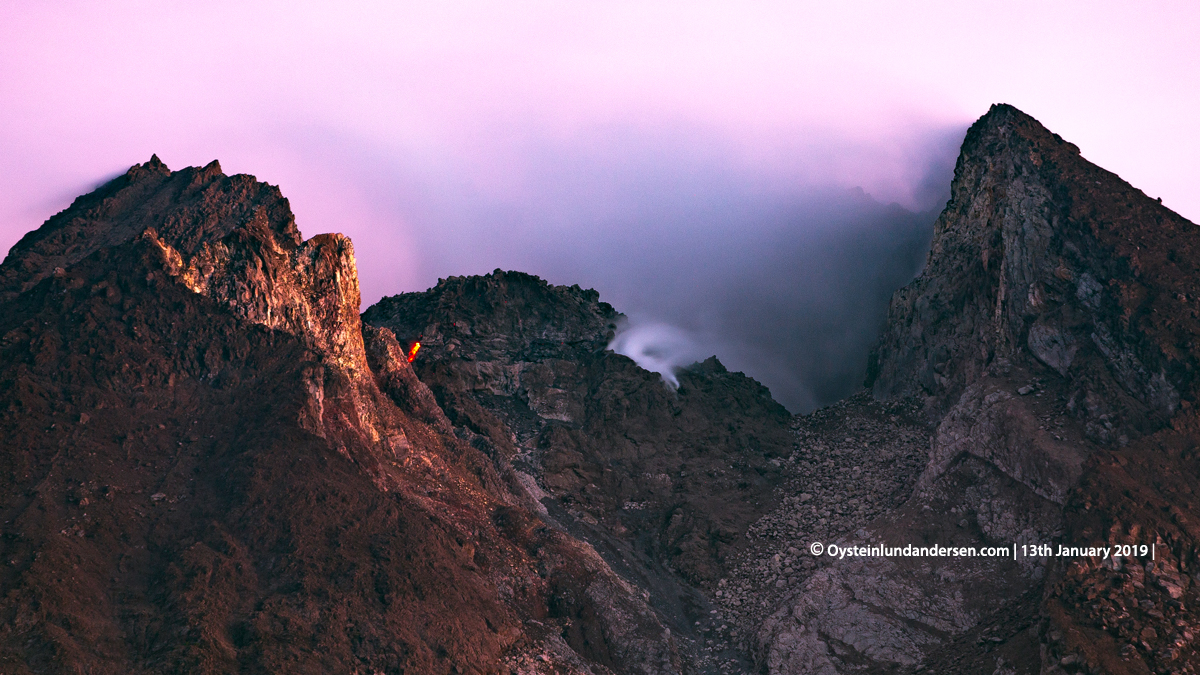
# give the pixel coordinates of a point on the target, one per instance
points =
(211, 465)
(232, 239)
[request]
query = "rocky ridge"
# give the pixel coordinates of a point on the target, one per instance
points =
(1050, 341)
(175, 360)
(1070, 357)
(664, 483)
(210, 465)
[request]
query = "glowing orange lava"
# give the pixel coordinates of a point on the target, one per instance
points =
(412, 351)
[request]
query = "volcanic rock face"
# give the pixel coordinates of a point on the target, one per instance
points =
(1051, 340)
(207, 468)
(522, 367)
(1041, 254)
(210, 463)
(665, 483)
(1049, 270)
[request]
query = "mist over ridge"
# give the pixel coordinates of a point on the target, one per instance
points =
(773, 266)
(798, 311)
(657, 155)
(782, 274)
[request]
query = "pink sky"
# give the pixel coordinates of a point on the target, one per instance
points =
(380, 119)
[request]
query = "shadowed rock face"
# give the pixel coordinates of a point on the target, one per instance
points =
(209, 466)
(523, 366)
(663, 482)
(1051, 340)
(1041, 256)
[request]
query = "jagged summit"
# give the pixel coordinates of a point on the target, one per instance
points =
(1005, 114)
(1052, 340)
(211, 463)
(1041, 253)
(522, 367)
(185, 208)
(499, 313)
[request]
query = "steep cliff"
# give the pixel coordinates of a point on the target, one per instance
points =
(1041, 256)
(209, 466)
(1051, 341)
(1047, 267)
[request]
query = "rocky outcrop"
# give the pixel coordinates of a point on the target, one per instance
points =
(1051, 326)
(883, 613)
(522, 367)
(209, 465)
(1068, 276)
(234, 240)
(186, 208)
(1041, 256)
(663, 482)
(1048, 270)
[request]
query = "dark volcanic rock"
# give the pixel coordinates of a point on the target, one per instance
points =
(210, 463)
(664, 482)
(1049, 271)
(1052, 340)
(524, 365)
(1044, 258)
(206, 469)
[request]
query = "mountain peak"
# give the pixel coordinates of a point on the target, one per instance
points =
(1038, 258)
(217, 465)
(186, 209)
(1003, 120)
(501, 312)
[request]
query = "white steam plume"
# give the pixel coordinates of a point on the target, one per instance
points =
(657, 347)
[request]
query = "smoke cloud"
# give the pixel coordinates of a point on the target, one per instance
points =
(778, 275)
(657, 347)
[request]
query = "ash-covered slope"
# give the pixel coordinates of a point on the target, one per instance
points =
(208, 465)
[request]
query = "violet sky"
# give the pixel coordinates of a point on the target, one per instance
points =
(640, 148)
